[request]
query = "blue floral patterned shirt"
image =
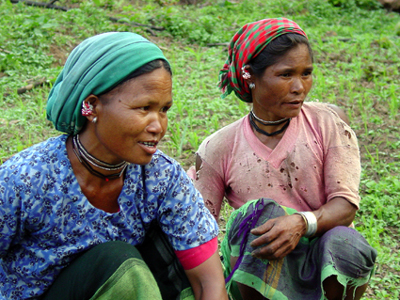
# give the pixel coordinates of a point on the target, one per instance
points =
(45, 220)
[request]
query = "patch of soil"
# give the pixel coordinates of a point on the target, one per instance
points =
(391, 5)
(60, 53)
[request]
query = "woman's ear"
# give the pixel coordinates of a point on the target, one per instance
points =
(90, 107)
(247, 74)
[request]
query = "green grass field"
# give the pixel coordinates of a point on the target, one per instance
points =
(356, 45)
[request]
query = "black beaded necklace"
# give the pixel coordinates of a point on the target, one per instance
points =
(258, 129)
(78, 149)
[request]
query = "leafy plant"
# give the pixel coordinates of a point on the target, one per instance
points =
(355, 45)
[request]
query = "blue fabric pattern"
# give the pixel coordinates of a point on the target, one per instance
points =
(45, 220)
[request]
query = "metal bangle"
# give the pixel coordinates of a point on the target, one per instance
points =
(311, 222)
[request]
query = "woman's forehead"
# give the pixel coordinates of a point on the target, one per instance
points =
(299, 55)
(156, 83)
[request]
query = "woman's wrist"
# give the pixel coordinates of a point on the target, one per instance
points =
(311, 223)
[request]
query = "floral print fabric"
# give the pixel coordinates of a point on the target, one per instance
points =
(45, 220)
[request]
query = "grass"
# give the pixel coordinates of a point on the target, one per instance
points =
(356, 45)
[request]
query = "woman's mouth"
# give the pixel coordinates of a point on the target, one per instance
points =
(149, 147)
(294, 103)
(149, 144)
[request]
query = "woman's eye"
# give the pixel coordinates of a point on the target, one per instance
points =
(145, 108)
(165, 108)
(285, 74)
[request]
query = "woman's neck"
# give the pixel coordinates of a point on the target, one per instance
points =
(100, 193)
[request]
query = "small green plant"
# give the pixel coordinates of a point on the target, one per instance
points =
(356, 66)
(365, 4)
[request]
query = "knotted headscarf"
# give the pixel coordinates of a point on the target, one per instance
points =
(245, 45)
(95, 66)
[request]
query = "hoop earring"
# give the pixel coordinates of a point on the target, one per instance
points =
(252, 85)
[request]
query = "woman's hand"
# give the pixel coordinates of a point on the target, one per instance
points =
(207, 280)
(278, 237)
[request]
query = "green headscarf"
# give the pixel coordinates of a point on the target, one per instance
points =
(95, 66)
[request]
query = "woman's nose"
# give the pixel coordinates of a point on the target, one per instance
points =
(156, 124)
(297, 86)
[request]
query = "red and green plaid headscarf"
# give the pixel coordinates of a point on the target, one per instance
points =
(246, 44)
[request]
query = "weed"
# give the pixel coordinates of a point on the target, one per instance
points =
(355, 45)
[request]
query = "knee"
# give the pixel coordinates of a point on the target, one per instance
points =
(341, 232)
(345, 237)
(350, 252)
(90, 270)
(112, 254)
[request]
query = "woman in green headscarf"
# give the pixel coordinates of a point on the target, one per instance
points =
(301, 162)
(99, 212)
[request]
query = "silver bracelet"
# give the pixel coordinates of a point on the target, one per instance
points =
(311, 222)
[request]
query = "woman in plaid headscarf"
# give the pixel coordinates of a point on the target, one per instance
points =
(300, 160)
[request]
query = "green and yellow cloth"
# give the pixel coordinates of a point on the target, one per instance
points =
(341, 252)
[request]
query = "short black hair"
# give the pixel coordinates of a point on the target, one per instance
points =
(275, 50)
(147, 68)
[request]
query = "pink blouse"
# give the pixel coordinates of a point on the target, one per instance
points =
(316, 160)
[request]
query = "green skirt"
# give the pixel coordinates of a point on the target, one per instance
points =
(340, 252)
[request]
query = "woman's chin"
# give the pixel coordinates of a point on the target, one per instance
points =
(142, 161)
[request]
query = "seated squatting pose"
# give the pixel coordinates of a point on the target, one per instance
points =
(99, 212)
(291, 169)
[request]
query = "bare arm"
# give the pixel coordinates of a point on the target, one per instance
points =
(281, 235)
(207, 280)
(337, 212)
(198, 162)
